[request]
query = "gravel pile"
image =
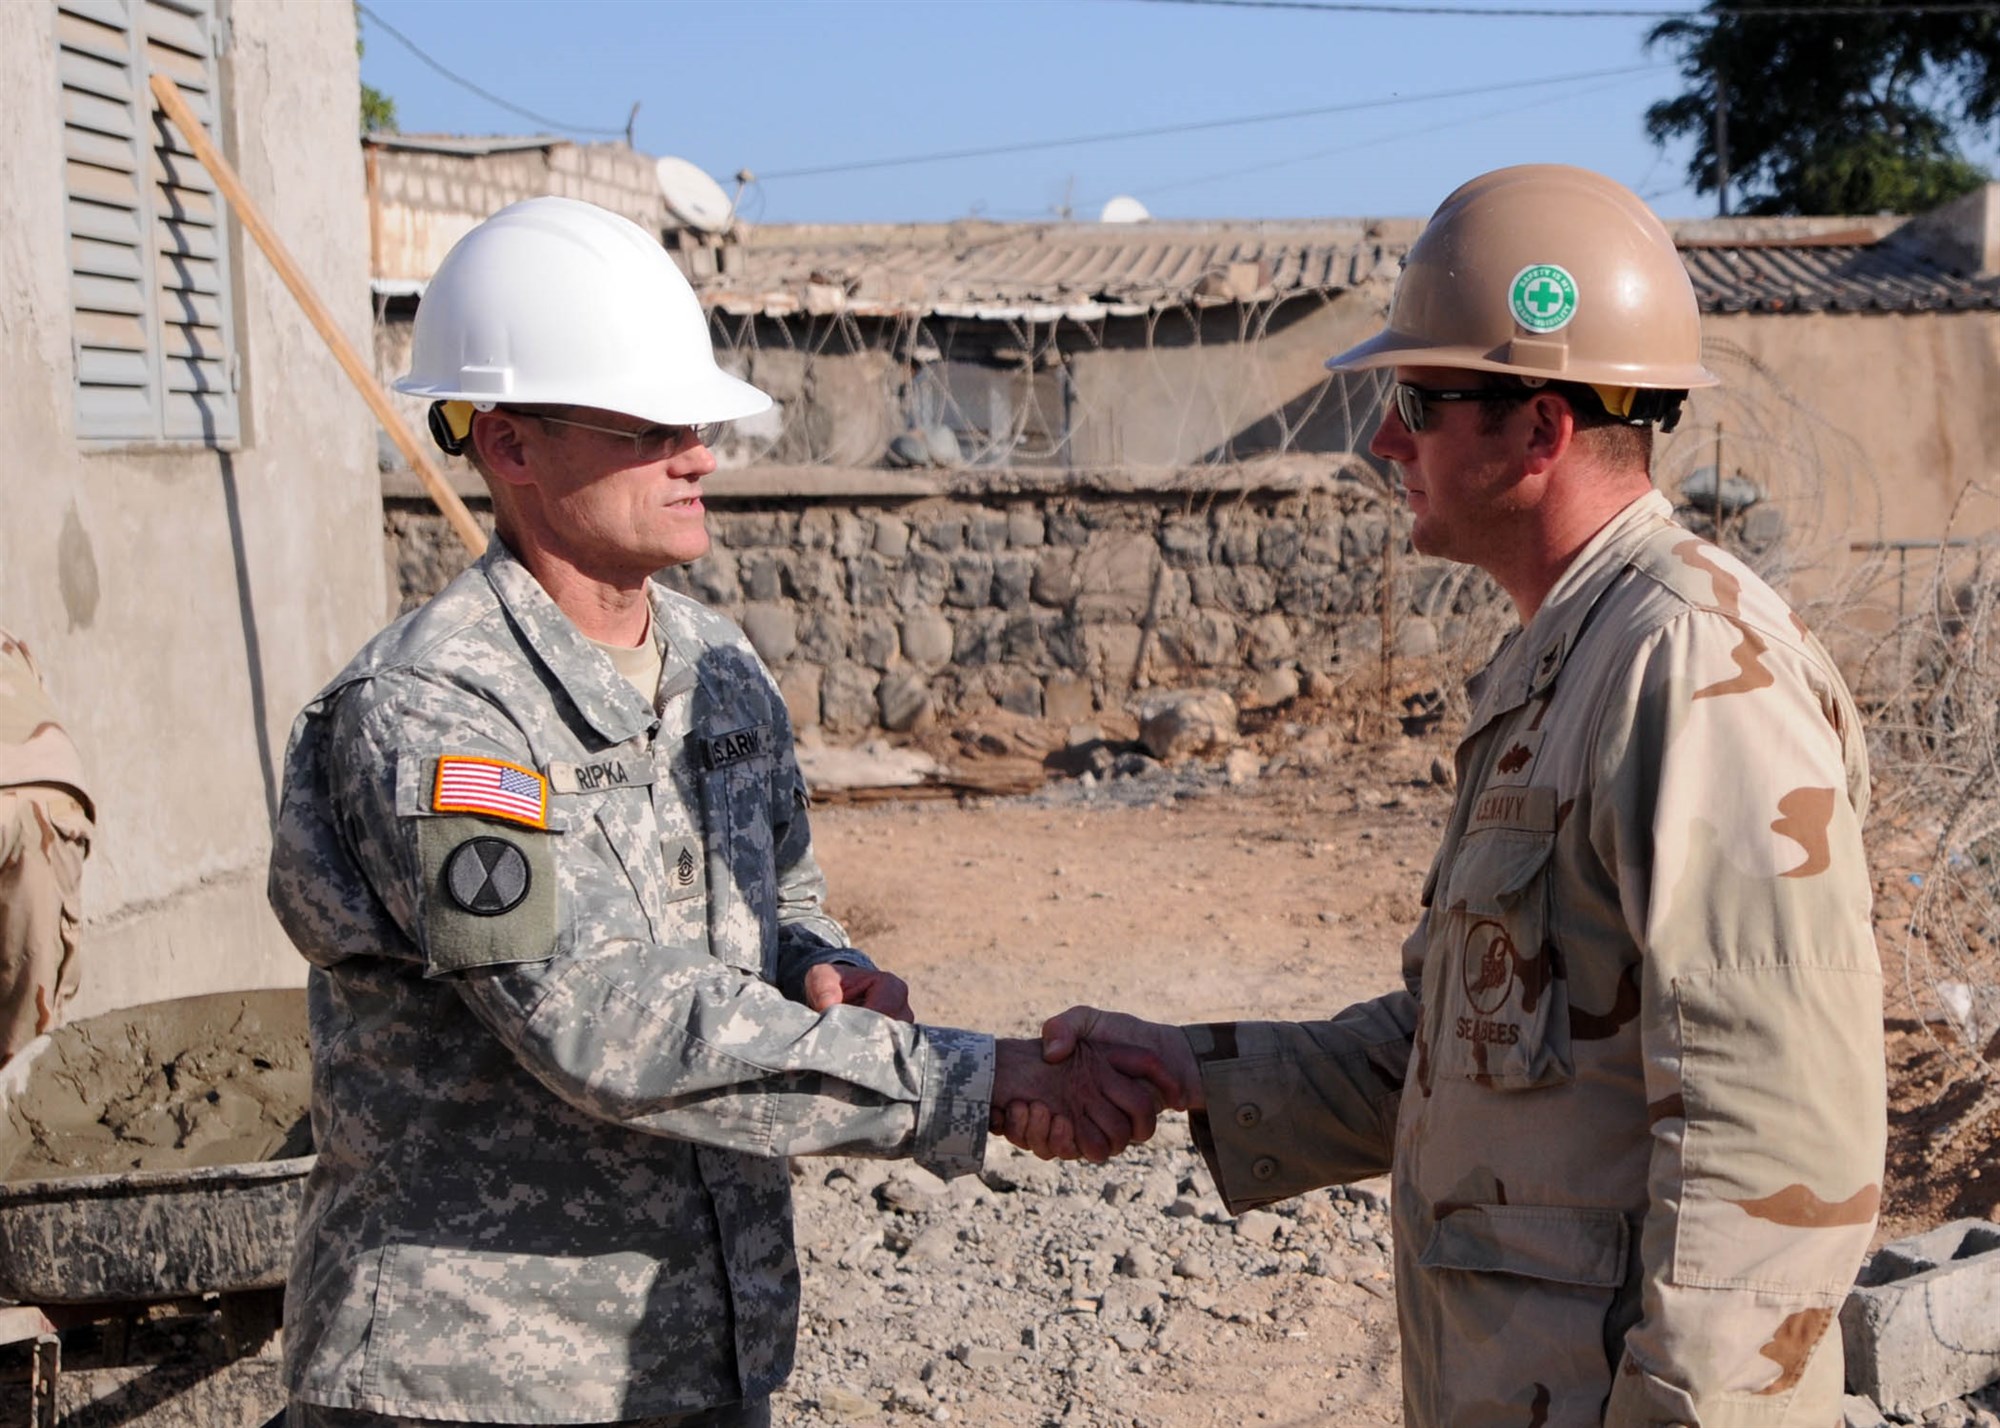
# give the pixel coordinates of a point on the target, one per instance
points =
(1045, 1293)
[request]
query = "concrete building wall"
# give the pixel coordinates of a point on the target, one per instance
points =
(1882, 421)
(1192, 391)
(185, 602)
(421, 202)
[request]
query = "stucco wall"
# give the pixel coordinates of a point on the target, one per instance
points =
(1882, 420)
(185, 603)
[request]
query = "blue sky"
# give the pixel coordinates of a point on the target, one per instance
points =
(773, 87)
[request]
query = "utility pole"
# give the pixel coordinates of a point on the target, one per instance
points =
(630, 120)
(1721, 143)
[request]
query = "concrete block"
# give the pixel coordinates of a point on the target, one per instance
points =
(1013, 579)
(824, 636)
(800, 686)
(904, 700)
(927, 639)
(1923, 1323)
(875, 641)
(892, 538)
(816, 529)
(1067, 699)
(925, 579)
(971, 581)
(762, 574)
(773, 631)
(944, 532)
(986, 530)
(869, 586)
(847, 699)
(1055, 578)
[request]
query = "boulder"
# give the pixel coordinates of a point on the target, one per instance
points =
(1182, 722)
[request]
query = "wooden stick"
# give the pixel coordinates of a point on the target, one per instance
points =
(176, 108)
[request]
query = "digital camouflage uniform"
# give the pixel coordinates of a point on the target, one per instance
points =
(1633, 1095)
(46, 822)
(557, 1071)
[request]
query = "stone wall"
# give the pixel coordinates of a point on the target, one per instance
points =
(883, 613)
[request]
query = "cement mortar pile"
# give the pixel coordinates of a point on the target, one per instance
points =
(205, 1081)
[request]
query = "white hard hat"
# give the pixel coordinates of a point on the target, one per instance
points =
(557, 301)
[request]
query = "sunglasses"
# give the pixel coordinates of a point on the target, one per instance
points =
(1411, 399)
(649, 443)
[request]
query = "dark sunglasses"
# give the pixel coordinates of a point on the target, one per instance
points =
(1411, 399)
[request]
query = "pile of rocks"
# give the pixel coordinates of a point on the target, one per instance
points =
(1040, 1293)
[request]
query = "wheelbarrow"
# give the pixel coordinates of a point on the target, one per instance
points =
(169, 1088)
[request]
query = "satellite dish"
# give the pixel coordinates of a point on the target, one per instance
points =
(693, 197)
(1124, 209)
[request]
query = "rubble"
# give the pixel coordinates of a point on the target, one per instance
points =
(1042, 1293)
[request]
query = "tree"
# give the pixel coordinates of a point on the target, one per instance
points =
(378, 110)
(1840, 113)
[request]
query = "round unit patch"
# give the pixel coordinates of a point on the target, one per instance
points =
(1543, 297)
(1488, 966)
(487, 876)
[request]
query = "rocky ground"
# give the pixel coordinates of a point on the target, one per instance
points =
(1124, 1294)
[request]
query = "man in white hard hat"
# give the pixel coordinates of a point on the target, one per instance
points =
(575, 998)
(1631, 1093)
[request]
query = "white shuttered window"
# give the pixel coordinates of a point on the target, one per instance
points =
(148, 253)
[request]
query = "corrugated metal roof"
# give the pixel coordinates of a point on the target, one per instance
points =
(1083, 272)
(1894, 275)
(1043, 271)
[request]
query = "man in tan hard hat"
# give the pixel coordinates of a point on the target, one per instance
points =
(1631, 1093)
(575, 997)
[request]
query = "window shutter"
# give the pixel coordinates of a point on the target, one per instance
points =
(110, 244)
(191, 249)
(149, 279)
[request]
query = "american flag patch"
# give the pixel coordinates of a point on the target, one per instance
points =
(493, 787)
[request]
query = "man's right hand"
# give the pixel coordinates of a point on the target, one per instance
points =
(1105, 1096)
(1049, 1130)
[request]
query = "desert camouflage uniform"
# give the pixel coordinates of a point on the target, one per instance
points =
(46, 822)
(553, 1110)
(1634, 1088)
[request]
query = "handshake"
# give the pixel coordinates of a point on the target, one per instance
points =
(1094, 1084)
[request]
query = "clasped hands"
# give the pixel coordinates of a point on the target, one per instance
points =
(1094, 1084)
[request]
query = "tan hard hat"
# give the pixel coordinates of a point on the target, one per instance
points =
(1544, 271)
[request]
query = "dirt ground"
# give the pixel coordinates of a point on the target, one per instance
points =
(1286, 897)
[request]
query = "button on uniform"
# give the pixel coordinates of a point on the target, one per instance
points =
(1264, 1167)
(1247, 1115)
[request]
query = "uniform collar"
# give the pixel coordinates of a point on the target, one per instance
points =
(604, 697)
(1526, 666)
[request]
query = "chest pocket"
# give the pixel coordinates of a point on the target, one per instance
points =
(1495, 995)
(742, 860)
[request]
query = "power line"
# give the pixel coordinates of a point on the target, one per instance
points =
(1031, 145)
(1455, 122)
(1514, 12)
(411, 45)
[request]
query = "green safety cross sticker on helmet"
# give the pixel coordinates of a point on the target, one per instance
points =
(1543, 297)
